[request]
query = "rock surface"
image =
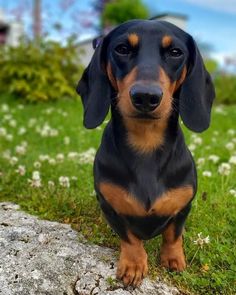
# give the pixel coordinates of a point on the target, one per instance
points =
(39, 257)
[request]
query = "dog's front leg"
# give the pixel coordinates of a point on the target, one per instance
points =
(172, 253)
(132, 266)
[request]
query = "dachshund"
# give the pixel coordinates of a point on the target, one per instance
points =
(148, 73)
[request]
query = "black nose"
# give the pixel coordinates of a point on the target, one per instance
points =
(146, 98)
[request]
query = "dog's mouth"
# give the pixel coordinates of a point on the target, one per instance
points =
(144, 116)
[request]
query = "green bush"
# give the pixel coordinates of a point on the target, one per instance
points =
(225, 88)
(40, 71)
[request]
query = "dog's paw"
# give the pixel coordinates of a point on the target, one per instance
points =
(132, 271)
(173, 258)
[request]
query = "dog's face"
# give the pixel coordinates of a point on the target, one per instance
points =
(148, 69)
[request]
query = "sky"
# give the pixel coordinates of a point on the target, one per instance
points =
(210, 21)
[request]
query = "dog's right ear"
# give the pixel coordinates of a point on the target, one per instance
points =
(95, 89)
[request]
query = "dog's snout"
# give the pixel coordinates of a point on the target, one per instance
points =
(146, 98)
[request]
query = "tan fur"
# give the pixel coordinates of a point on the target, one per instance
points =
(111, 77)
(181, 79)
(172, 254)
(166, 41)
(169, 204)
(132, 266)
(133, 39)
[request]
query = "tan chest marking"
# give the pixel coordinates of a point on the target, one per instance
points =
(170, 203)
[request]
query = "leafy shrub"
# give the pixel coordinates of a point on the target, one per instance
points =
(40, 71)
(225, 88)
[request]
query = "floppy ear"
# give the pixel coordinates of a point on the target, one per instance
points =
(197, 92)
(95, 89)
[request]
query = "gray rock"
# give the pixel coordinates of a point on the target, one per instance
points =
(39, 257)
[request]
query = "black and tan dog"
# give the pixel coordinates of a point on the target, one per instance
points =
(149, 72)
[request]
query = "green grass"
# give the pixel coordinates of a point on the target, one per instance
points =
(212, 267)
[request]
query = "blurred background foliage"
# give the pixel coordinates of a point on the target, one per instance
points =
(42, 70)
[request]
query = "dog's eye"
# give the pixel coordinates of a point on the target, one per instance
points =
(176, 52)
(123, 49)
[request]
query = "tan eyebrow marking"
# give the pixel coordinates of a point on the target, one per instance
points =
(166, 41)
(133, 39)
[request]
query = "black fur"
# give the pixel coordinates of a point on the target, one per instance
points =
(149, 175)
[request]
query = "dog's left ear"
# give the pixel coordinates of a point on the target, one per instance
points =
(197, 92)
(95, 89)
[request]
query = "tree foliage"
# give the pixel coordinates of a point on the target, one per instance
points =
(119, 11)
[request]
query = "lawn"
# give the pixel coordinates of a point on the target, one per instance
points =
(46, 161)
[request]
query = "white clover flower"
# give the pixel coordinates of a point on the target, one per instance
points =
(22, 130)
(64, 181)
(93, 193)
(6, 154)
(232, 192)
(192, 147)
(200, 241)
(32, 122)
(12, 123)
(88, 156)
(64, 114)
(232, 160)
(52, 161)
(20, 106)
(9, 137)
(44, 158)
(234, 140)
(73, 155)
(21, 170)
(5, 108)
(216, 132)
(13, 160)
(197, 140)
(20, 150)
(214, 158)
(224, 169)
(220, 110)
(74, 178)
(37, 165)
(7, 117)
(231, 131)
(230, 146)
(207, 173)
(66, 140)
(36, 179)
(48, 111)
(200, 161)
(3, 131)
(60, 157)
(51, 184)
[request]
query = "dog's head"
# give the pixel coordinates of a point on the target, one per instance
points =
(147, 69)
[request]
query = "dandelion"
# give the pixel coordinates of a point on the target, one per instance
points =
(207, 173)
(64, 181)
(214, 158)
(230, 146)
(36, 179)
(200, 241)
(224, 169)
(37, 165)
(21, 170)
(232, 192)
(66, 140)
(232, 160)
